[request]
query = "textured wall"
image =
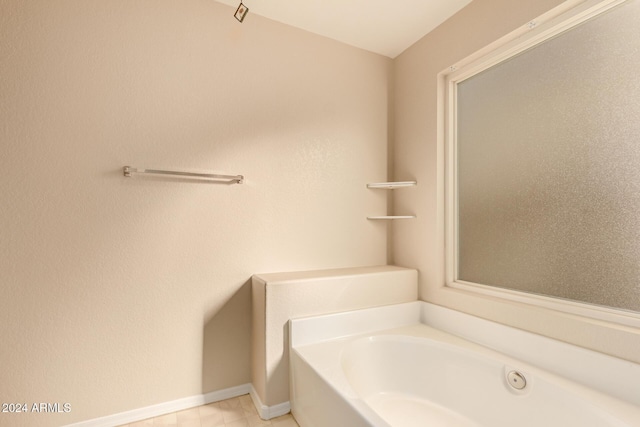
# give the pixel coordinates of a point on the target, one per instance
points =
(419, 244)
(115, 292)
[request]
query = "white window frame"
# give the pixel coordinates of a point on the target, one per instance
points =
(562, 18)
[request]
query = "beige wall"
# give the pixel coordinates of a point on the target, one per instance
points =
(115, 292)
(418, 244)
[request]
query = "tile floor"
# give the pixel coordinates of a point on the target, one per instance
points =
(235, 412)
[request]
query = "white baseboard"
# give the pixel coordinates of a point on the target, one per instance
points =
(167, 407)
(268, 412)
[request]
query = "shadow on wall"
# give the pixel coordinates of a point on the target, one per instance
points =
(226, 351)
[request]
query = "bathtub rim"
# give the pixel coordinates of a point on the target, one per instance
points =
(604, 373)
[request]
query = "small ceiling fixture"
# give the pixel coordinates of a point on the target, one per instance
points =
(241, 12)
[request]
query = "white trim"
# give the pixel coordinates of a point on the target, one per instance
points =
(562, 18)
(268, 412)
(165, 408)
(559, 19)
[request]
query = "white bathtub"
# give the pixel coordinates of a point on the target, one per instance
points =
(401, 372)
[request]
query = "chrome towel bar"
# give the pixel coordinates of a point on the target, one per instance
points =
(237, 179)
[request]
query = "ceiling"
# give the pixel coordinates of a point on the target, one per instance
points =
(386, 27)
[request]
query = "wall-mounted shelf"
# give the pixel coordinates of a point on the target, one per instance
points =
(391, 186)
(392, 217)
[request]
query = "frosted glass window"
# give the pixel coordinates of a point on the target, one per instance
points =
(548, 166)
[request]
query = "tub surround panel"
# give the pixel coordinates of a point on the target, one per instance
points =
(316, 329)
(279, 297)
